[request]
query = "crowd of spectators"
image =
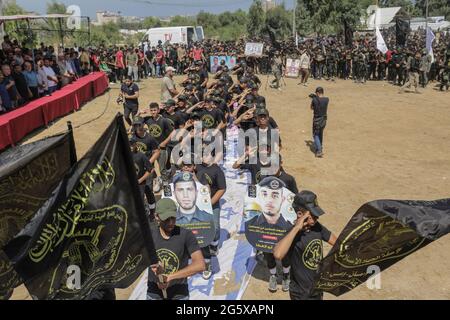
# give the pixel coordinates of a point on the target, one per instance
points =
(28, 74)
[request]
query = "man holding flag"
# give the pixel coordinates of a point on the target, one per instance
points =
(427, 58)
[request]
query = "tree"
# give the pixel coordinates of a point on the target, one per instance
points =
(435, 8)
(151, 22)
(279, 20)
(407, 5)
(106, 35)
(256, 19)
(53, 24)
(328, 16)
(12, 8)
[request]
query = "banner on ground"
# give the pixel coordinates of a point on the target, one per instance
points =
(268, 213)
(28, 175)
(233, 266)
(292, 68)
(92, 233)
(254, 49)
(216, 61)
(380, 234)
(194, 211)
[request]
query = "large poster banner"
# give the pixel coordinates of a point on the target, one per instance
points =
(216, 61)
(268, 213)
(235, 262)
(292, 68)
(253, 49)
(194, 206)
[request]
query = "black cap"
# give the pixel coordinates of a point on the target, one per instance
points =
(170, 103)
(262, 112)
(272, 183)
(183, 177)
(138, 120)
(307, 200)
(182, 97)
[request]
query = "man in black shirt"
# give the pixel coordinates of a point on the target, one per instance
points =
(176, 121)
(142, 165)
(203, 76)
(160, 129)
(212, 117)
(130, 92)
(21, 84)
(174, 246)
(148, 146)
(210, 174)
(303, 245)
(319, 105)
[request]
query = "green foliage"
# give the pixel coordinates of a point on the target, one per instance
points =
(225, 26)
(407, 5)
(279, 20)
(327, 16)
(12, 8)
(107, 34)
(256, 19)
(56, 7)
(435, 7)
(312, 16)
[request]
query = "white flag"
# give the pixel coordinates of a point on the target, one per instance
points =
(429, 43)
(381, 45)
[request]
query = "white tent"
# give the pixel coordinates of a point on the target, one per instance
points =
(384, 19)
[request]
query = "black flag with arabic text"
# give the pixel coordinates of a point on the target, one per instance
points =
(93, 233)
(402, 30)
(28, 175)
(348, 33)
(380, 234)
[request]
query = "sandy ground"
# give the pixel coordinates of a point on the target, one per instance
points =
(378, 144)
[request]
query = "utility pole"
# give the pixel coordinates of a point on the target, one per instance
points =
(2, 29)
(294, 29)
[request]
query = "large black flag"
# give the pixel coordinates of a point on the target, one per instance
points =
(93, 233)
(380, 234)
(28, 175)
(348, 33)
(402, 30)
(270, 31)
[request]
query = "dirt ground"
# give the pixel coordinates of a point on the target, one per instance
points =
(378, 145)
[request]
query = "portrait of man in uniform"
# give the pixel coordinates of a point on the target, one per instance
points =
(185, 193)
(271, 198)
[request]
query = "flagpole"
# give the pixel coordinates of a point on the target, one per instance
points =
(426, 17)
(293, 20)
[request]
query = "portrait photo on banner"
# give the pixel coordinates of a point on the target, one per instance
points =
(253, 49)
(194, 209)
(292, 68)
(268, 213)
(217, 61)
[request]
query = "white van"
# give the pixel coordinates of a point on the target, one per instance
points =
(181, 35)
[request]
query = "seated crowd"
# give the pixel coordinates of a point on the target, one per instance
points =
(28, 74)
